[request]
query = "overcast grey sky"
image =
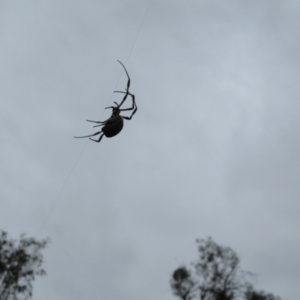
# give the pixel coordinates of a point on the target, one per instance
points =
(213, 149)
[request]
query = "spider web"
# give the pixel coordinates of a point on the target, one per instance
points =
(84, 146)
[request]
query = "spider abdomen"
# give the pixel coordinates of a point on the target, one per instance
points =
(112, 129)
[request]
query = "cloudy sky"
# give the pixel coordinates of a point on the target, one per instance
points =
(213, 149)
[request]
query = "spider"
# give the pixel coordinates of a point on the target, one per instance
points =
(114, 124)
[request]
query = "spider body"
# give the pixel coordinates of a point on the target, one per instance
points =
(114, 125)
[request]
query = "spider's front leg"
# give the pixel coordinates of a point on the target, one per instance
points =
(133, 107)
(127, 88)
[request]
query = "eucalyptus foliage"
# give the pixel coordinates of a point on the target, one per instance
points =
(216, 275)
(20, 262)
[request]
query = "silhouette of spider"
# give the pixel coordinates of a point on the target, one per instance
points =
(114, 124)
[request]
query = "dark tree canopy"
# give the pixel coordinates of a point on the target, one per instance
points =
(183, 284)
(216, 275)
(251, 294)
(20, 262)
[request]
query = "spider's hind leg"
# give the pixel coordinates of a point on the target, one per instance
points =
(100, 138)
(99, 122)
(80, 137)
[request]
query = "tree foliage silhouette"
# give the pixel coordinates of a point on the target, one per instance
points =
(251, 294)
(20, 262)
(215, 276)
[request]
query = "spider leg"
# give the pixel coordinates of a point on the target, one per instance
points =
(79, 137)
(113, 106)
(128, 85)
(134, 108)
(99, 122)
(133, 101)
(100, 138)
(128, 82)
(125, 97)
